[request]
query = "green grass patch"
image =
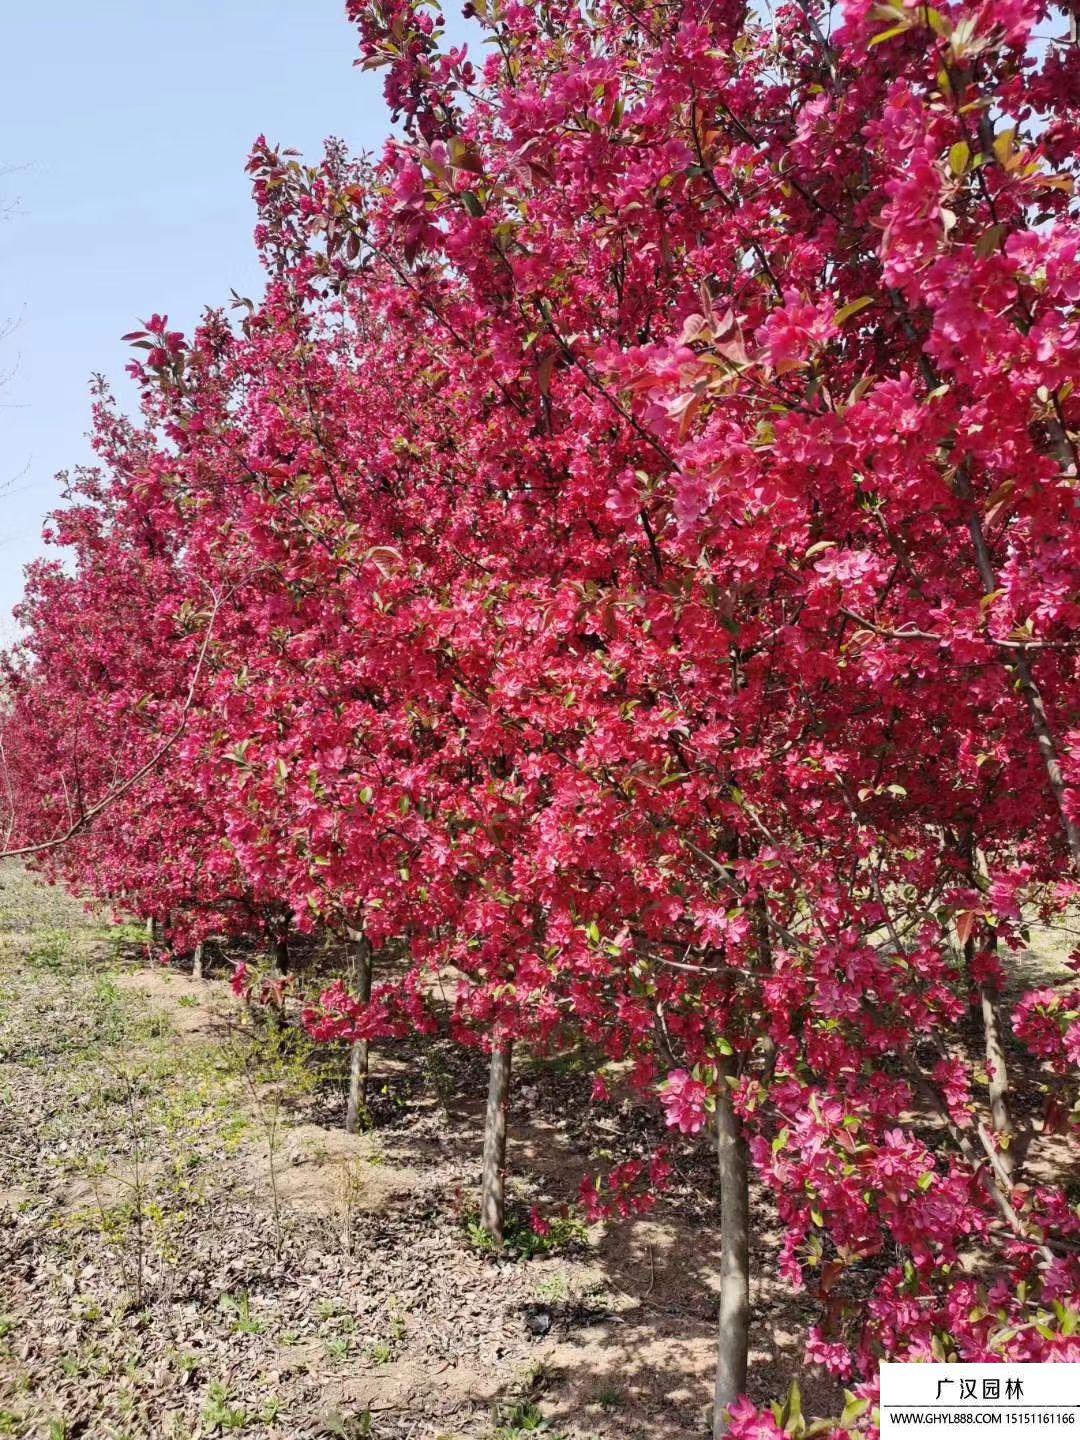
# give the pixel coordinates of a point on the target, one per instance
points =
(521, 1241)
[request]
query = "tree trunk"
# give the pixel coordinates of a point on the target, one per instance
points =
(279, 970)
(197, 962)
(734, 1170)
(358, 1056)
(998, 1077)
(279, 955)
(151, 930)
(493, 1191)
(993, 1043)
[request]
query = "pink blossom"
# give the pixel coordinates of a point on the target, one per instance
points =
(684, 1100)
(795, 330)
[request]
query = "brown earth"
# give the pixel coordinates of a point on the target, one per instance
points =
(190, 1245)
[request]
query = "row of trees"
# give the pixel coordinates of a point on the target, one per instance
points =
(627, 561)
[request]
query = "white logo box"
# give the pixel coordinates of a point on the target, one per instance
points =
(1001, 1401)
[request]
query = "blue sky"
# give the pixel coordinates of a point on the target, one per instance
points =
(124, 127)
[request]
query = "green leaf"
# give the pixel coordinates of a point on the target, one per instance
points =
(852, 308)
(791, 1414)
(854, 1409)
(893, 30)
(989, 241)
(959, 156)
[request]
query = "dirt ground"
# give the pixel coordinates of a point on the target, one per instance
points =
(191, 1246)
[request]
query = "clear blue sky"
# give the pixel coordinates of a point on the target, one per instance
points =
(124, 127)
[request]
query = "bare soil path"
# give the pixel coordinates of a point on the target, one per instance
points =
(190, 1245)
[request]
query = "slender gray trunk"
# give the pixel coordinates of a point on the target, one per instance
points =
(279, 955)
(358, 1056)
(197, 962)
(279, 970)
(997, 1072)
(998, 1077)
(151, 930)
(993, 1044)
(734, 1170)
(493, 1189)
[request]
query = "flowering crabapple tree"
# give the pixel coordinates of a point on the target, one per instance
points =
(636, 522)
(787, 322)
(104, 690)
